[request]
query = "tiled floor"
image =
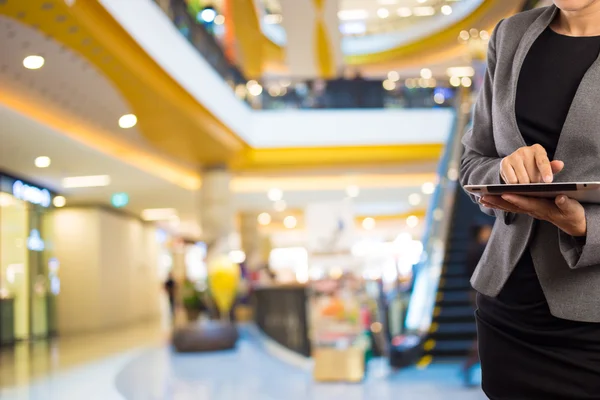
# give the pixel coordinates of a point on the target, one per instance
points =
(149, 370)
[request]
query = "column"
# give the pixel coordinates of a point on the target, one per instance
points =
(313, 37)
(216, 210)
(251, 240)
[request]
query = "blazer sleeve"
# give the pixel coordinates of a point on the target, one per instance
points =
(583, 252)
(480, 162)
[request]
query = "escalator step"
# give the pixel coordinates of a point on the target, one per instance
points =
(454, 313)
(453, 298)
(451, 348)
(453, 331)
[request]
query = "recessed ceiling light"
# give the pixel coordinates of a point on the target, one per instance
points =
(127, 121)
(383, 13)
(404, 12)
(424, 11)
(414, 199)
(368, 223)
(389, 85)
(412, 221)
(446, 10)
(159, 214)
(219, 20)
(428, 188)
(275, 194)
(352, 191)
(42, 162)
(59, 201)
(466, 81)
(207, 15)
(455, 81)
(86, 181)
(33, 62)
(264, 219)
(290, 222)
(394, 76)
(426, 73)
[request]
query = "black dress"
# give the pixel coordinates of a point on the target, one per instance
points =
(526, 352)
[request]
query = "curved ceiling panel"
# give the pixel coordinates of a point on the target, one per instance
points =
(162, 106)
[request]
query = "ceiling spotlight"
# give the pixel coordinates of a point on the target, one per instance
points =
(424, 11)
(368, 223)
(59, 201)
(389, 85)
(264, 219)
(466, 81)
(428, 188)
(446, 10)
(352, 191)
(207, 15)
(412, 221)
(127, 121)
(280, 206)
(439, 98)
(414, 199)
(455, 81)
(464, 35)
(33, 62)
(394, 76)
(275, 194)
(86, 181)
(290, 222)
(426, 73)
(383, 13)
(404, 12)
(255, 90)
(42, 162)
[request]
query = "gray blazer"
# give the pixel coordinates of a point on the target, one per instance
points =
(568, 272)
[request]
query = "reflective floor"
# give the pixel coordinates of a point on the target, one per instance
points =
(137, 364)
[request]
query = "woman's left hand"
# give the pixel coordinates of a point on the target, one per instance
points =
(567, 214)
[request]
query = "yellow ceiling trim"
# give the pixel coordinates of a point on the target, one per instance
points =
(310, 157)
(101, 141)
(168, 116)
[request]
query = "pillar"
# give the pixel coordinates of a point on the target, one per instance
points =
(216, 210)
(251, 240)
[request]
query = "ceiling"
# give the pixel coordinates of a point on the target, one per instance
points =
(383, 191)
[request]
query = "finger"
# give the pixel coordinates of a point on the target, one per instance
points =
(521, 171)
(527, 204)
(508, 173)
(566, 205)
(557, 166)
(532, 170)
(543, 163)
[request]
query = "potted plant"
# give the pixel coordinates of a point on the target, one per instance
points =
(192, 302)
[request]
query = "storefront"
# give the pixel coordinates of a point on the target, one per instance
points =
(29, 273)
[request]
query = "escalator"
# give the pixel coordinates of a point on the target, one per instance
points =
(453, 326)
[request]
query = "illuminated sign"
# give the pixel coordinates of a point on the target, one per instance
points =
(31, 194)
(119, 200)
(35, 242)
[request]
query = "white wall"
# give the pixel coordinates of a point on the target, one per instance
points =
(314, 128)
(108, 270)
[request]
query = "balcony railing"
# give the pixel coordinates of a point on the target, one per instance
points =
(302, 94)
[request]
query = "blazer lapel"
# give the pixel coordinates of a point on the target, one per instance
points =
(534, 31)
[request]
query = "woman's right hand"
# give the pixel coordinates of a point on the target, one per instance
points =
(529, 164)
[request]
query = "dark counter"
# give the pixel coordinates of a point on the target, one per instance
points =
(281, 313)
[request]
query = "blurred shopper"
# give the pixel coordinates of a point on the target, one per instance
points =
(171, 289)
(481, 236)
(538, 314)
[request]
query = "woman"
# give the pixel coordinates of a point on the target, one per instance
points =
(538, 282)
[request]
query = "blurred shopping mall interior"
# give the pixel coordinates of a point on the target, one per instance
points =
(238, 199)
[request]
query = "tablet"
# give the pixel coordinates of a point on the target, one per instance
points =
(585, 192)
